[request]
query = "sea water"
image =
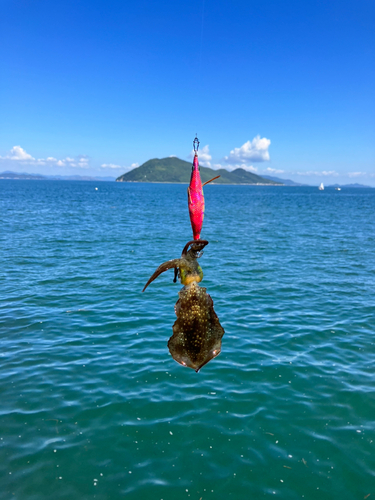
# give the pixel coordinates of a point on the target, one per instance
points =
(93, 405)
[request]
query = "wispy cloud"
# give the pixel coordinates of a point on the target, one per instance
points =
(248, 168)
(113, 166)
(330, 172)
(356, 174)
(255, 150)
(230, 168)
(318, 173)
(274, 171)
(18, 155)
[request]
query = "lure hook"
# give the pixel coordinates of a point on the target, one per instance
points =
(196, 144)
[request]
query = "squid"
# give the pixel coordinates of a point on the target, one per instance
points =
(197, 331)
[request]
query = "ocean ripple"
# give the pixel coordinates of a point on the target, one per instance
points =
(93, 405)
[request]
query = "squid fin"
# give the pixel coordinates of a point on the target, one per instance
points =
(197, 331)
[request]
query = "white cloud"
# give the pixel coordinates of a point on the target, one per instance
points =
(18, 156)
(274, 171)
(110, 165)
(248, 168)
(329, 172)
(255, 150)
(230, 168)
(83, 163)
(203, 156)
(319, 173)
(18, 153)
(309, 172)
(356, 174)
(124, 169)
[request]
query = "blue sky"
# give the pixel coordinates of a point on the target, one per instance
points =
(96, 87)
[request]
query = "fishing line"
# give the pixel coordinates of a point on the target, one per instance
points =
(199, 80)
(201, 43)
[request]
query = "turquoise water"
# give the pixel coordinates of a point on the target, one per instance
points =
(93, 405)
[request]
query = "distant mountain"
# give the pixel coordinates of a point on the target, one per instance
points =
(15, 175)
(355, 185)
(176, 170)
(80, 178)
(286, 182)
(23, 176)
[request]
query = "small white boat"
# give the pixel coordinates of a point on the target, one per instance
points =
(338, 189)
(321, 187)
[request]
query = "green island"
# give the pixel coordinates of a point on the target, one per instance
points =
(174, 170)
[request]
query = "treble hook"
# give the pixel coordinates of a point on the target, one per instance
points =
(196, 144)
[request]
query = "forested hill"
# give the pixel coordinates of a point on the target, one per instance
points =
(175, 170)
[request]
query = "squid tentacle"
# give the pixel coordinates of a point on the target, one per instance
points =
(170, 264)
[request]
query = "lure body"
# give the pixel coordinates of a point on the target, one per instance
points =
(196, 200)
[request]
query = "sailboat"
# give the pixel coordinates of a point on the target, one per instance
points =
(321, 187)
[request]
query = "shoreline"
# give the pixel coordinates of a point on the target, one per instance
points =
(211, 183)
